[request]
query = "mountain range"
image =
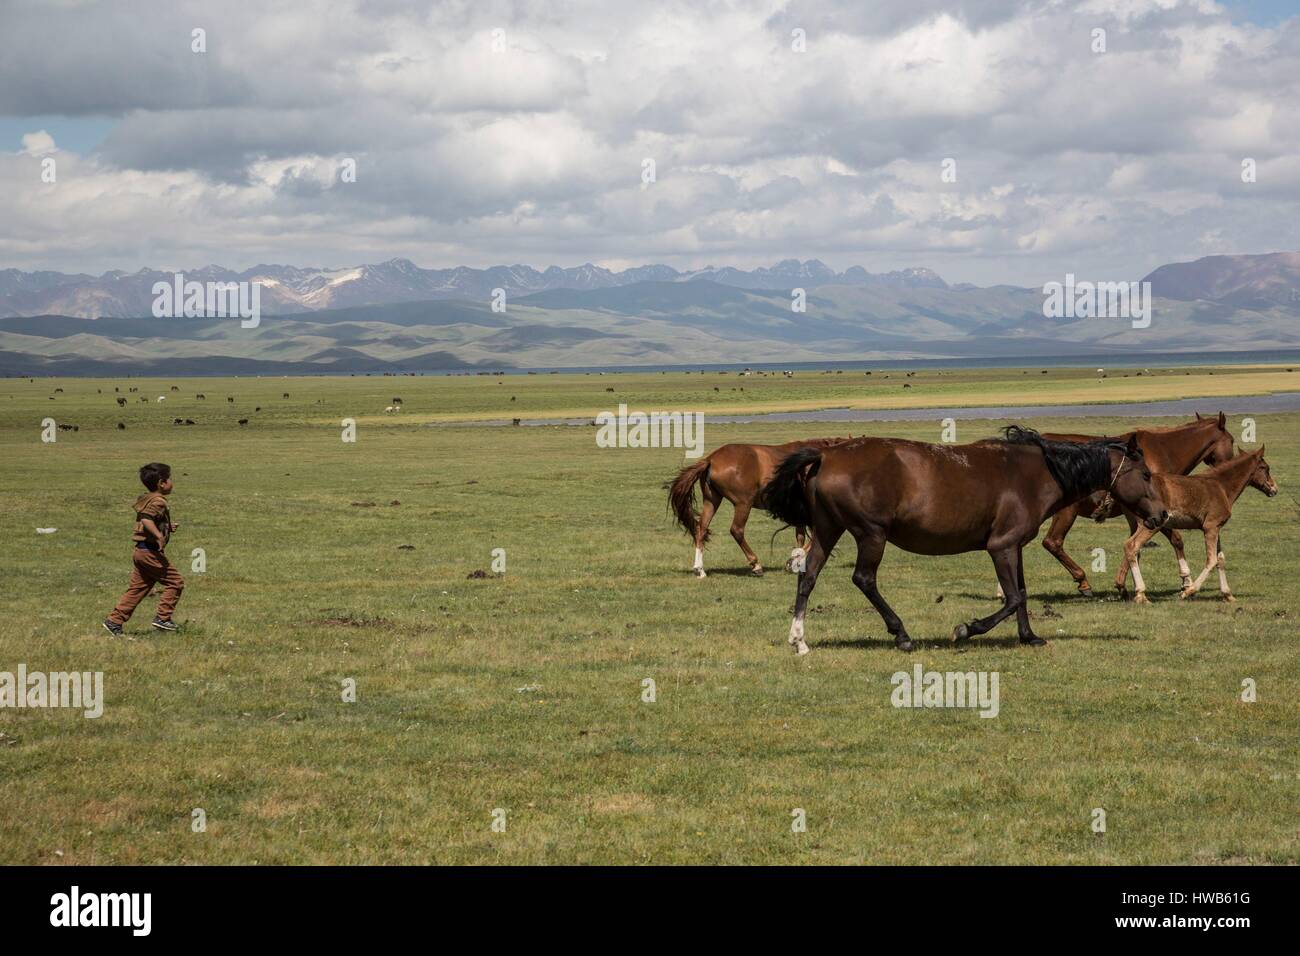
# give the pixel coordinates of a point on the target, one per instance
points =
(395, 316)
(289, 289)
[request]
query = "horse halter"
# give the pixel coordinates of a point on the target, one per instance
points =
(1118, 471)
(1107, 500)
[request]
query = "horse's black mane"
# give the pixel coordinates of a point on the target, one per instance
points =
(1078, 467)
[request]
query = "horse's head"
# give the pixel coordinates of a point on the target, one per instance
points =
(1261, 479)
(1130, 483)
(1220, 448)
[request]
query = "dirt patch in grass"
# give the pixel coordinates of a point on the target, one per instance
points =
(622, 803)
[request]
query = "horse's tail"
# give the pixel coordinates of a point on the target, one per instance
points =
(786, 495)
(681, 495)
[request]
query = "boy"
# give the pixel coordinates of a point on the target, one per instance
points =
(153, 528)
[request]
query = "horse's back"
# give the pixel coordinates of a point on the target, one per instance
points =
(930, 498)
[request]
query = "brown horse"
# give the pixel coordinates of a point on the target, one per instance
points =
(738, 474)
(1201, 501)
(1177, 451)
(947, 499)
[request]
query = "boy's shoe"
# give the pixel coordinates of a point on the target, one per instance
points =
(164, 625)
(114, 629)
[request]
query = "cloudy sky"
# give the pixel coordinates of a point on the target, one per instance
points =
(494, 132)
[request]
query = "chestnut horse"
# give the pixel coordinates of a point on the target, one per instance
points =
(947, 499)
(1201, 501)
(1175, 451)
(738, 474)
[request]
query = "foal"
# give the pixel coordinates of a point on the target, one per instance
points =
(947, 499)
(736, 473)
(1176, 450)
(1201, 501)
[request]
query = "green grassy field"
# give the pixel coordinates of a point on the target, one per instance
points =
(328, 561)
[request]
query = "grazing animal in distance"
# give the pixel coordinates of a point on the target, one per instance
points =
(201, 397)
(121, 427)
(162, 398)
(243, 421)
(230, 398)
(735, 473)
(1202, 501)
(947, 499)
(286, 394)
(121, 401)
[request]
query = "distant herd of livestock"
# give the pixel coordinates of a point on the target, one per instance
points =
(122, 402)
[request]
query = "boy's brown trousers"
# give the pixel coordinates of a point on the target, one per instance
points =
(151, 567)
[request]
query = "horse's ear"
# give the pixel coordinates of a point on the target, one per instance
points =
(1132, 449)
(1198, 416)
(1223, 421)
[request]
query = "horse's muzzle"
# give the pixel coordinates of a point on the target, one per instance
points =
(1154, 523)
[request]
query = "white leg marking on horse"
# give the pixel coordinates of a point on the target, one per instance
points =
(796, 635)
(1223, 578)
(698, 566)
(1183, 570)
(1141, 596)
(1200, 579)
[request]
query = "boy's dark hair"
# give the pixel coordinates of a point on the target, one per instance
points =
(154, 474)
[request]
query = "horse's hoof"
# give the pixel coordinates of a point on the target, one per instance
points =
(905, 645)
(1185, 593)
(1085, 592)
(756, 570)
(1140, 598)
(1034, 641)
(1230, 599)
(801, 649)
(699, 573)
(959, 633)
